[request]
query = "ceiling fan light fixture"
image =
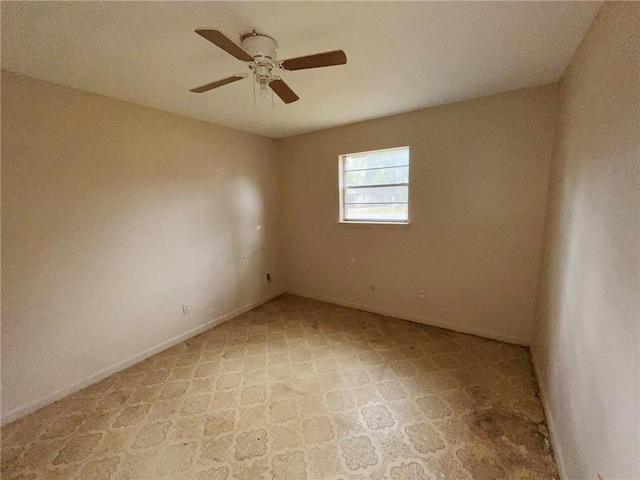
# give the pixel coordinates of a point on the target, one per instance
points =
(264, 92)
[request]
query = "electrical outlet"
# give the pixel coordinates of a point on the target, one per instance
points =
(268, 277)
(421, 295)
(186, 309)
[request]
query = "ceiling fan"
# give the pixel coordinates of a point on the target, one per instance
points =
(260, 51)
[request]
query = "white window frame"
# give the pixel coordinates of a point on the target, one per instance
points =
(342, 187)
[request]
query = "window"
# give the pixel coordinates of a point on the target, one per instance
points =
(374, 186)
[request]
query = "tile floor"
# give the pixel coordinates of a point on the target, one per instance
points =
(299, 389)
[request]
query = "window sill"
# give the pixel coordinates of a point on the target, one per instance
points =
(348, 223)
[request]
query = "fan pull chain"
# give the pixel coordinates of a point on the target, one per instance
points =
(254, 90)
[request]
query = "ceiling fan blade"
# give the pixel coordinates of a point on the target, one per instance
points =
(326, 59)
(221, 40)
(283, 91)
(219, 83)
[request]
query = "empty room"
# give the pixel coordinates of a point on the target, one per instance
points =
(320, 240)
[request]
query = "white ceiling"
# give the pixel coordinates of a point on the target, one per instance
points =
(401, 55)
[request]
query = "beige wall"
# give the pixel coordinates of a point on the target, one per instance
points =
(479, 173)
(114, 215)
(587, 348)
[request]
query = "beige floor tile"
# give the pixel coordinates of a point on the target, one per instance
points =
(299, 389)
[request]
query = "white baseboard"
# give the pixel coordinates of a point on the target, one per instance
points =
(414, 318)
(19, 412)
(544, 397)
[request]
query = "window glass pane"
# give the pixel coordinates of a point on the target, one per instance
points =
(374, 186)
(377, 195)
(387, 158)
(376, 212)
(379, 176)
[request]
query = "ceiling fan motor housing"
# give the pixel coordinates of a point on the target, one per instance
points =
(261, 47)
